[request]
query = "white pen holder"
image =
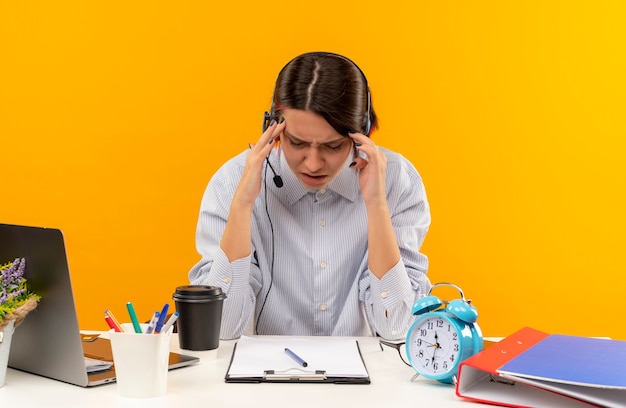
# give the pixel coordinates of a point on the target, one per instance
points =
(141, 361)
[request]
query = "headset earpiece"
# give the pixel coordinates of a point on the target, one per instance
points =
(267, 119)
(367, 122)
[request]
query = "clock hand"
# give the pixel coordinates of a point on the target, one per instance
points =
(432, 360)
(435, 346)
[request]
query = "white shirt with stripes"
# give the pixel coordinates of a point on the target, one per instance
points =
(307, 273)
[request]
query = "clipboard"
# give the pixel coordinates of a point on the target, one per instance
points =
(258, 359)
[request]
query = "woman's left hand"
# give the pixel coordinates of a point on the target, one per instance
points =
(372, 170)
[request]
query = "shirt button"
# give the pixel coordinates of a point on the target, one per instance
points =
(322, 191)
(323, 264)
(322, 223)
(226, 279)
(383, 294)
(394, 332)
(322, 307)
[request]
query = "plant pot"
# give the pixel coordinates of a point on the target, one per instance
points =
(5, 346)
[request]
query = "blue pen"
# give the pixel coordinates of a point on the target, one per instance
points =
(133, 317)
(159, 325)
(153, 322)
(296, 358)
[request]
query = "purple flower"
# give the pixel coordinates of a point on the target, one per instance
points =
(13, 290)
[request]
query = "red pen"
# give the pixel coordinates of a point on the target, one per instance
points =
(112, 324)
(117, 324)
(113, 319)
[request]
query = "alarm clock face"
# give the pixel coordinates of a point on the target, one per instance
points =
(434, 346)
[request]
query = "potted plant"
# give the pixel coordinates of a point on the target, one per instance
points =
(16, 301)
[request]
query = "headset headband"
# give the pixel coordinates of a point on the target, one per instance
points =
(271, 115)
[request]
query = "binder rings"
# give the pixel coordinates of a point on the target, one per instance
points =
(533, 368)
(334, 360)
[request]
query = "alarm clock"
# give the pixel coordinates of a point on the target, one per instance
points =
(444, 334)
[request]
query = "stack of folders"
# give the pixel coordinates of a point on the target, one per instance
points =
(531, 368)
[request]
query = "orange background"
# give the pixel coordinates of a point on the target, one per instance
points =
(114, 115)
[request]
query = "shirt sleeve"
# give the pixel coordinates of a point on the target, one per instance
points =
(240, 280)
(389, 301)
(234, 280)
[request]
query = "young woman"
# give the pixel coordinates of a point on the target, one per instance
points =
(315, 230)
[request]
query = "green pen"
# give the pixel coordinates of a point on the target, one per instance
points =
(133, 317)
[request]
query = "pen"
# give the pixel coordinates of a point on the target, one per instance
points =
(159, 324)
(113, 320)
(153, 322)
(169, 322)
(296, 358)
(133, 317)
(111, 323)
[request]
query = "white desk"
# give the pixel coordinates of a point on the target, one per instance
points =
(203, 385)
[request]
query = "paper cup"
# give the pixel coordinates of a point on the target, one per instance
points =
(141, 361)
(200, 309)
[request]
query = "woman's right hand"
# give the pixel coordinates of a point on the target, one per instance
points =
(236, 240)
(250, 183)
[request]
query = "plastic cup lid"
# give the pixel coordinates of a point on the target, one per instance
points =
(198, 292)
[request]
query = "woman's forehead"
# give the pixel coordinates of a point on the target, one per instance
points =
(309, 127)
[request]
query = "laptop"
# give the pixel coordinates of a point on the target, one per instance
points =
(48, 342)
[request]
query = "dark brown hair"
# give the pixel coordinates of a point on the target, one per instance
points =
(329, 85)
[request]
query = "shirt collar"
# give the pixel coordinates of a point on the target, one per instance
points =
(346, 183)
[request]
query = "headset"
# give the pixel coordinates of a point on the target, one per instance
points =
(367, 122)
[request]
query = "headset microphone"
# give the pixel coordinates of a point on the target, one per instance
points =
(278, 180)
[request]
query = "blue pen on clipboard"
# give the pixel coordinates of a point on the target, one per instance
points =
(298, 359)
